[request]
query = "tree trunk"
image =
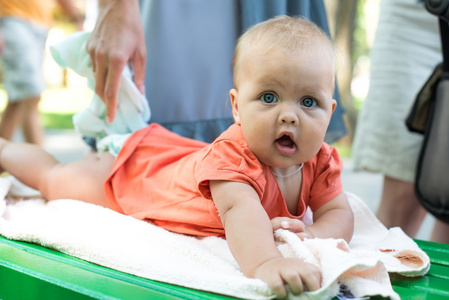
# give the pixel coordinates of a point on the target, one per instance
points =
(341, 15)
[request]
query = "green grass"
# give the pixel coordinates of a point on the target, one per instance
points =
(57, 121)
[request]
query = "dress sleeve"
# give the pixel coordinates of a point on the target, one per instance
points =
(231, 161)
(327, 177)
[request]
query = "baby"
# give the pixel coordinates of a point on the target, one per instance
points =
(260, 175)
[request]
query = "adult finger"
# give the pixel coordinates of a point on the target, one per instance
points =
(91, 46)
(138, 62)
(101, 71)
(112, 86)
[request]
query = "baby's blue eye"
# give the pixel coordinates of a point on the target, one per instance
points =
(309, 102)
(268, 98)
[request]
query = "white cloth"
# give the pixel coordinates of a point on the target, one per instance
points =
(133, 111)
(110, 239)
(406, 49)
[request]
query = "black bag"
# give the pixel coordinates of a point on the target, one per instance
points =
(430, 116)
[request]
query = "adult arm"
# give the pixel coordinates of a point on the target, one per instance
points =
(117, 39)
(72, 12)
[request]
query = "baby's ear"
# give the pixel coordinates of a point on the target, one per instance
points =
(233, 93)
(334, 105)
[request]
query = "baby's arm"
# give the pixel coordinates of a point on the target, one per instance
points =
(333, 220)
(250, 238)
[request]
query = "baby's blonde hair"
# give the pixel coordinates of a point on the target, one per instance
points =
(282, 32)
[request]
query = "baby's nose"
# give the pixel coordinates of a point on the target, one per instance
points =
(289, 118)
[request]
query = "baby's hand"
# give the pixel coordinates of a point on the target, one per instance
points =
(293, 225)
(297, 274)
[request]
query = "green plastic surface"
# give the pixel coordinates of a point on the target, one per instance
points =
(29, 271)
(435, 285)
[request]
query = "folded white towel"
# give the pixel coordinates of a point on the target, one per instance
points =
(107, 238)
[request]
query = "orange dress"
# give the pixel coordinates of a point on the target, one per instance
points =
(163, 178)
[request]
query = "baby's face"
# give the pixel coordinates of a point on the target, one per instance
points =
(284, 103)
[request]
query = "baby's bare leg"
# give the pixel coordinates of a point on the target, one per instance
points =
(82, 180)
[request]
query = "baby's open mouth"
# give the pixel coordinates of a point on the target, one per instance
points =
(285, 145)
(285, 141)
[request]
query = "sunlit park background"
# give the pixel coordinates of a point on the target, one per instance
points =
(352, 24)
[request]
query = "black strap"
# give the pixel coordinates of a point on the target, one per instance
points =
(444, 30)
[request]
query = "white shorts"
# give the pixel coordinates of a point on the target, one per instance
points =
(22, 58)
(406, 49)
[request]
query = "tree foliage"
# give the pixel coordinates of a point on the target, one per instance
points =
(348, 34)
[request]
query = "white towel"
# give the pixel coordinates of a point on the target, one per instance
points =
(107, 238)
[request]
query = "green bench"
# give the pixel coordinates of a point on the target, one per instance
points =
(435, 285)
(29, 271)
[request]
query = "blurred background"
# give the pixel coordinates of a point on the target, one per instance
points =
(352, 24)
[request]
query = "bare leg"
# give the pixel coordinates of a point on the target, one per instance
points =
(440, 233)
(26, 113)
(400, 206)
(11, 118)
(82, 180)
(31, 125)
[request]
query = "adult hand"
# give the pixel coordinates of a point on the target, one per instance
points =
(117, 39)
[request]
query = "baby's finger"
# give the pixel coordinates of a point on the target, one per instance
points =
(304, 235)
(293, 225)
(311, 278)
(276, 223)
(278, 288)
(295, 282)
